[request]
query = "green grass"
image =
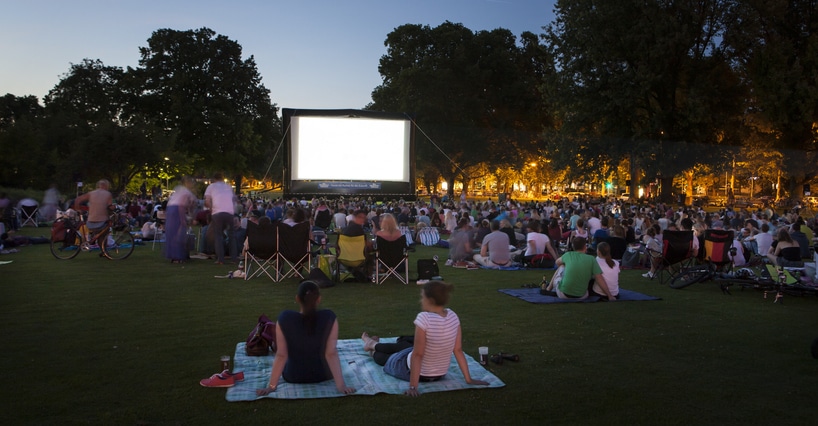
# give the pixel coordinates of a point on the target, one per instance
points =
(94, 341)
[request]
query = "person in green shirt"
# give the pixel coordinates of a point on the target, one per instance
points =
(576, 272)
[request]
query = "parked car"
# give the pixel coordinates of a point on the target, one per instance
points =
(625, 197)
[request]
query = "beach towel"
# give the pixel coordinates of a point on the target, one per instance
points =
(504, 268)
(532, 295)
(360, 372)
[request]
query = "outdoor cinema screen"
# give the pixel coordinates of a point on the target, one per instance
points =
(349, 152)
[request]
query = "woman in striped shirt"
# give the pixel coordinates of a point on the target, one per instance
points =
(424, 357)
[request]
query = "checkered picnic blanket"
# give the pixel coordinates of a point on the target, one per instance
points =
(359, 369)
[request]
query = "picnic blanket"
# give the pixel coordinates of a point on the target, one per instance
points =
(532, 295)
(504, 268)
(359, 369)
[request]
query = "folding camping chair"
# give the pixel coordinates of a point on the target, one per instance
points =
(351, 253)
(677, 253)
(261, 252)
(29, 214)
(718, 244)
(393, 257)
(294, 250)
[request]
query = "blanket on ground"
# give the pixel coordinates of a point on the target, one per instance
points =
(532, 295)
(359, 369)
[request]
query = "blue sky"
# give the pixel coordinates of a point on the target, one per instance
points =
(310, 53)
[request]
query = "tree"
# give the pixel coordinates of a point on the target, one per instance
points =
(196, 85)
(642, 80)
(774, 44)
(22, 161)
(476, 95)
(89, 136)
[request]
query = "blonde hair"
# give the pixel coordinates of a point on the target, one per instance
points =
(388, 223)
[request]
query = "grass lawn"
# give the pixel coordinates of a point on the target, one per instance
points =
(94, 341)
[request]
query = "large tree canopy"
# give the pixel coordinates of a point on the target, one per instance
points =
(639, 79)
(87, 130)
(196, 85)
(476, 95)
(774, 44)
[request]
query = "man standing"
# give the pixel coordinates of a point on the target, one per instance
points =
(576, 272)
(495, 250)
(219, 199)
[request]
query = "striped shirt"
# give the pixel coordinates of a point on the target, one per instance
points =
(441, 333)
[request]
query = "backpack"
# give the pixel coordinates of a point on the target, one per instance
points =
(427, 269)
(262, 338)
(544, 261)
(58, 231)
(323, 219)
(630, 259)
(320, 278)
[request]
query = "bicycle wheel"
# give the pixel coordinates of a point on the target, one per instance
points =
(690, 276)
(68, 248)
(118, 244)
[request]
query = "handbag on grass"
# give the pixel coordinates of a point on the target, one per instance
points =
(262, 339)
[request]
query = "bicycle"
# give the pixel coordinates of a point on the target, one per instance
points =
(115, 240)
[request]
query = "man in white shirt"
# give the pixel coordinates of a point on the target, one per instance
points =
(219, 198)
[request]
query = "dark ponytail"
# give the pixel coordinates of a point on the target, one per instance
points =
(308, 298)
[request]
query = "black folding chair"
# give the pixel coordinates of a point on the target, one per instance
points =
(393, 258)
(294, 254)
(677, 253)
(261, 254)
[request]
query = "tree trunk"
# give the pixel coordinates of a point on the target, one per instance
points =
(666, 194)
(237, 180)
(689, 190)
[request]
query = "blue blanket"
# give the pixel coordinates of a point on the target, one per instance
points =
(360, 372)
(532, 295)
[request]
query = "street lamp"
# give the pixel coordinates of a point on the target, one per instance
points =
(167, 173)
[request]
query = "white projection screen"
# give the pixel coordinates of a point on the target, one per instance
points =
(348, 152)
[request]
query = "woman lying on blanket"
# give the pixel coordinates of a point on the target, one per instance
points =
(424, 357)
(307, 343)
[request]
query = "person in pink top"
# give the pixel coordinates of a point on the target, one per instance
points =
(425, 357)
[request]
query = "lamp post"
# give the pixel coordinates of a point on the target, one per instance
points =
(167, 173)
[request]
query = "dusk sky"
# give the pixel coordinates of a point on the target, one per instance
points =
(310, 53)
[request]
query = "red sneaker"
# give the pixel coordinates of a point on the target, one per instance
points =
(218, 381)
(237, 377)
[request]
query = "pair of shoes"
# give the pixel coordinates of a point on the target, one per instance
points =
(448, 262)
(648, 275)
(498, 359)
(510, 357)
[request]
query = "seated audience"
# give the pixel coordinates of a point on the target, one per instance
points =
(306, 344)
(425, 356)
(495, 248)
(785, 251)
(610, 271)
(576, 273)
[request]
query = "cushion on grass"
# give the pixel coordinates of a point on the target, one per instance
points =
(360, 372)
(533, 295)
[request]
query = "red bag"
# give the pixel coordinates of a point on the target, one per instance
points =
(262, 339)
